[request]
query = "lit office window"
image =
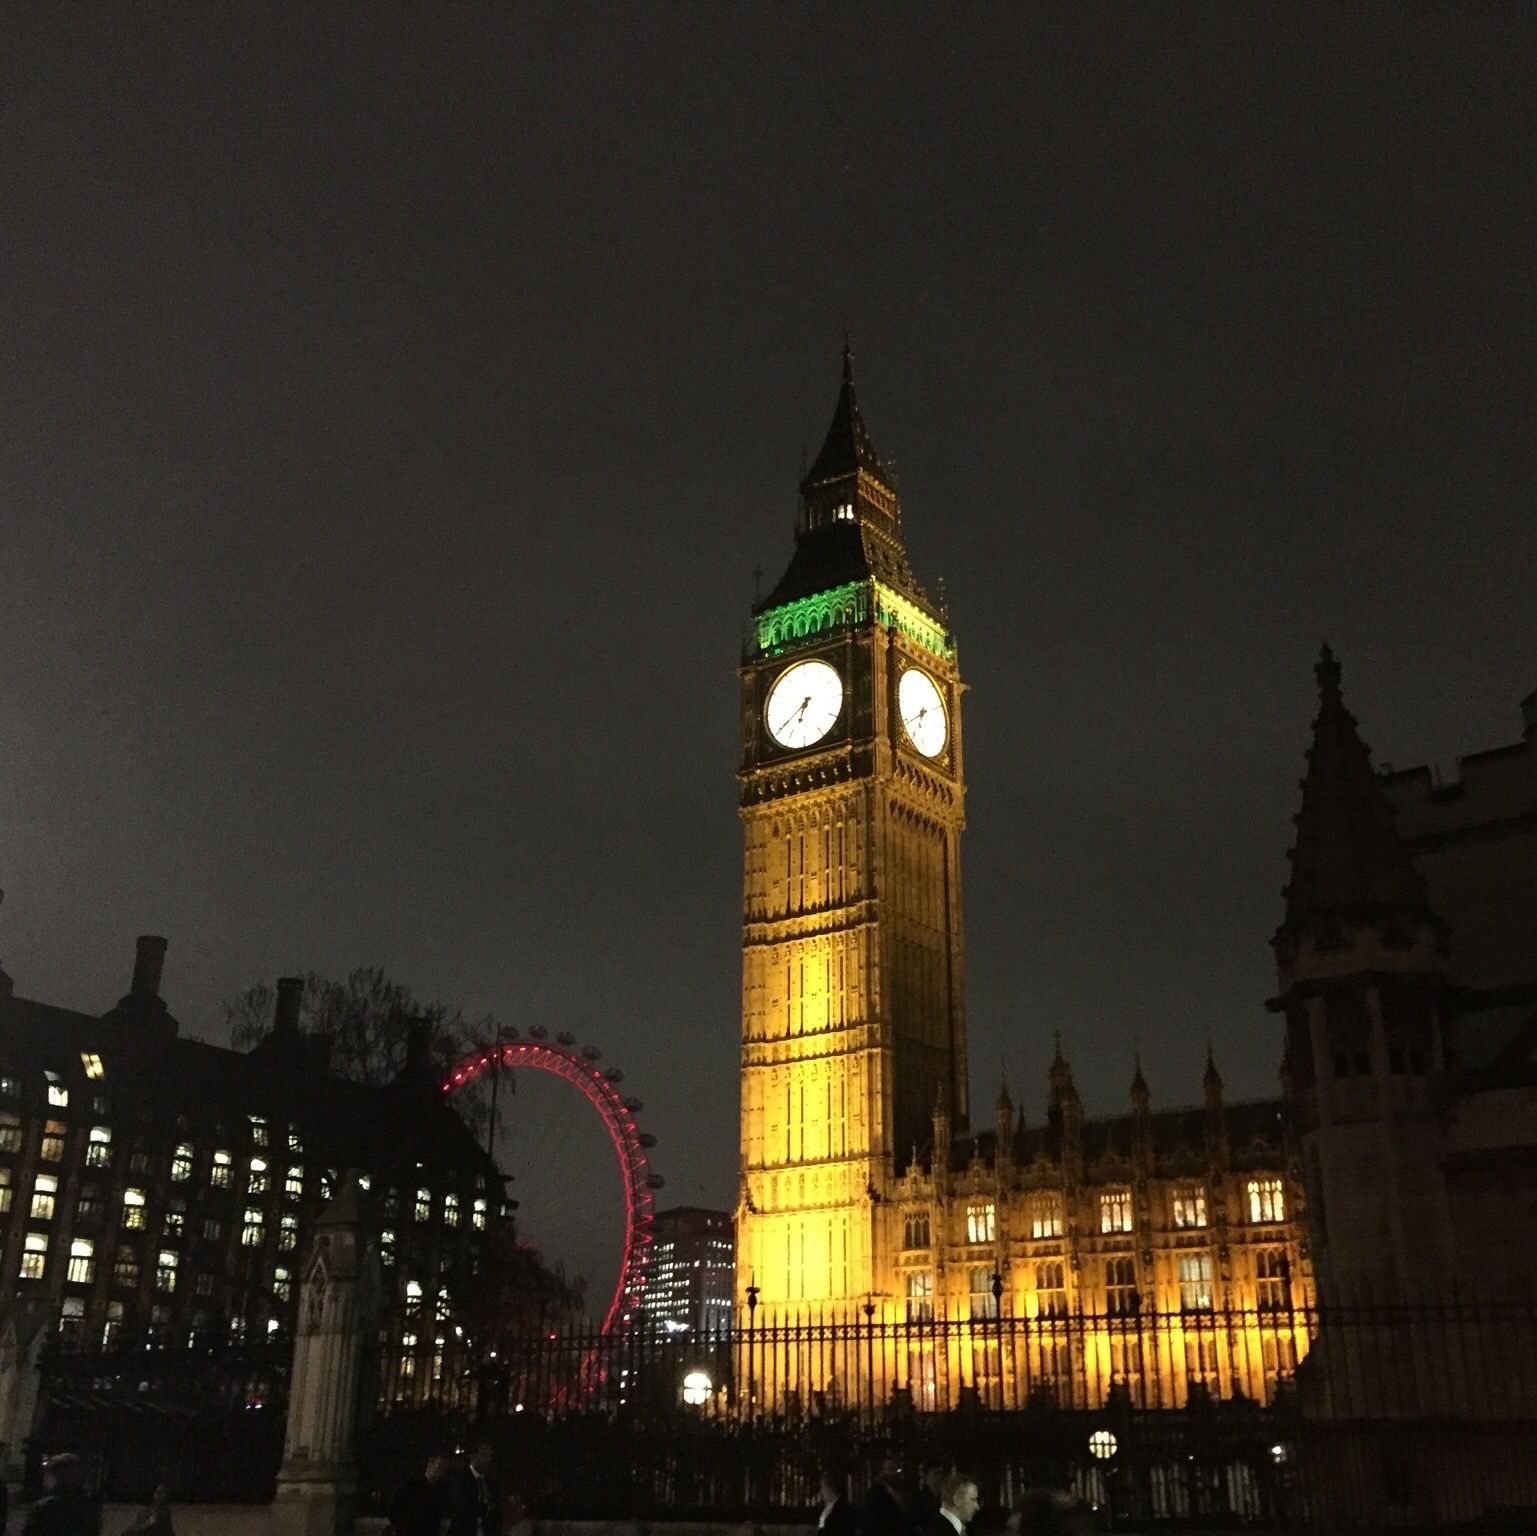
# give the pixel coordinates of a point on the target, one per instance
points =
(1190, 1206)
(44, 1189)
(34, 1256)
(1195, 1282)
(133, 1208)
(1267, 1200)
(1046, 1216)
(981, 1223)
(1115, 1211)
(983, 1302)
(920, 1296)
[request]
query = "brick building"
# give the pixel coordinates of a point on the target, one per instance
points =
(155, 1185)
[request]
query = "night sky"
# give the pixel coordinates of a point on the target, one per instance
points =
(398, 399)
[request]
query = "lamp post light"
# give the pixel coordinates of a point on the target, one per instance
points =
(997, 1289)
(869, 1311)
(752, 1342)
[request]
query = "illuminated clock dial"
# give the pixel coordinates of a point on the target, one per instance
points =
(923, 712)
(803, 704)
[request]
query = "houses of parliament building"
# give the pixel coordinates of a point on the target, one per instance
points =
(870, 1192)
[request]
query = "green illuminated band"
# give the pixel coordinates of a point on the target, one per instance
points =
(839, 607)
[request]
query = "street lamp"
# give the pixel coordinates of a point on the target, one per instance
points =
(869, 1311)
(752, 1342)
(1102, 1444)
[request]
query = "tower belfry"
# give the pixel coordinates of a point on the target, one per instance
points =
(853, 1023)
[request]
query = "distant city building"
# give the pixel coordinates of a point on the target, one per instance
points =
(690, 1285)
(162, 1187)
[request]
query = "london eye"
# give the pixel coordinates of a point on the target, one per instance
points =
(561, 1058)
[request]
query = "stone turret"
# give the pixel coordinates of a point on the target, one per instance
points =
(1141, 1121)
(1003, 1112)
(1065, 1114)
(1216, 1118)
(339, 1313)
(1359, 960)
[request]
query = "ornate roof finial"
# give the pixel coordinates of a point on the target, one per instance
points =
(1211, 1079)
(1348, 861)
(1327, 671)
(1139, 1089)
(847, 449)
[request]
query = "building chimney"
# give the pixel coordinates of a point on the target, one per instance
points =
(143, 1003)
(285, 1017)
(148, 963)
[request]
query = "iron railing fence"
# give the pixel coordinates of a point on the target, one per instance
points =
(1452, 1358)
(204, 1417)
(1335, 1417)
(1319, 1418)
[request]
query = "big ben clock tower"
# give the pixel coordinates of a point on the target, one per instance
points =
(853, 1022)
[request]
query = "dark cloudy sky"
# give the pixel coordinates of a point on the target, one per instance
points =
(397, 401)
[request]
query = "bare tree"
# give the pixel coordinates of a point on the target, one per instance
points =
(367, 1018)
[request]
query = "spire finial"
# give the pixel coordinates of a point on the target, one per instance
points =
(847, 449)
(1327, 671)
(1212, 1077)
(1138, 1081)
(1348, 862)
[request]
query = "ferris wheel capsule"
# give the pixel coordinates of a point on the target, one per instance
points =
(565, 1037)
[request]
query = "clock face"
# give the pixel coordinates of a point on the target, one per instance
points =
(803, 704)
(923, 712)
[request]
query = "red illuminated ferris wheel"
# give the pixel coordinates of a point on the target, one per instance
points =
(578, 1065)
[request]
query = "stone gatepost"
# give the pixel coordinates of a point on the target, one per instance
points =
(339, 1302)
(21, 1379)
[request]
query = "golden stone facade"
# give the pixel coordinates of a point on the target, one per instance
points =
(864, 1195)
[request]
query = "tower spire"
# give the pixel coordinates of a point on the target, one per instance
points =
(847, 449)
(1348, 862)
